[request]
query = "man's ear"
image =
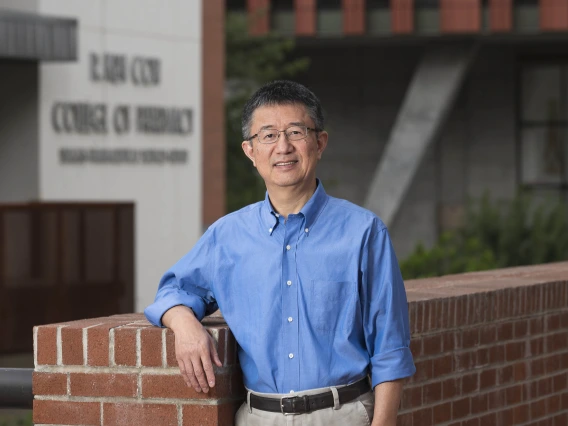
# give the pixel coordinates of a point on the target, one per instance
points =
(249, 151)
(322, 142)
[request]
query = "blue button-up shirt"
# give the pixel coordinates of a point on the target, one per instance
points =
(313, 301)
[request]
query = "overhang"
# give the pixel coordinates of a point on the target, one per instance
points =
(31, 36)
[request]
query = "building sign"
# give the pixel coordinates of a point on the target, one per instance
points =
(84, 118)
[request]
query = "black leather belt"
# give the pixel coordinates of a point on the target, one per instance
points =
(306, 403)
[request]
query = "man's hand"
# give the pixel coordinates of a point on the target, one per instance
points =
(195, 348)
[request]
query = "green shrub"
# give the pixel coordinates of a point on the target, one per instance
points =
(496, 235)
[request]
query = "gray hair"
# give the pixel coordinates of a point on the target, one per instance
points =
(282, 92)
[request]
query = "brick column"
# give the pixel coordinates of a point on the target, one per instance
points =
(501, 15)
(402, 16)
(460, 16)
(553, 15)
(258, 16)
(353, 17)
(305, 14)
(120, 370)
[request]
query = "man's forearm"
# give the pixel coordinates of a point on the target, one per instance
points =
(387, 400)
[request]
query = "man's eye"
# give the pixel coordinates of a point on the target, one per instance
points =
(294, 132)
(268, 136)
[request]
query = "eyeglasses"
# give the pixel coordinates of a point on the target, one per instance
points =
(293, 133)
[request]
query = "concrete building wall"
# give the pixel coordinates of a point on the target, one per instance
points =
(475, 151)
(18, 131)
(167, 195)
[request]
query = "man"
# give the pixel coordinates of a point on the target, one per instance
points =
(309, 285)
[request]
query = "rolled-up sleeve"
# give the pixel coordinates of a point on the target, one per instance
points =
(385, 311)
(188, 283)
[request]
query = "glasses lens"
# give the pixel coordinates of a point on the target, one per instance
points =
(295, 133)
(268, 135)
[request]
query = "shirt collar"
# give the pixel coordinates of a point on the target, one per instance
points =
(311, 209)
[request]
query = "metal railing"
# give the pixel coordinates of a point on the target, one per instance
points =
(16, 388)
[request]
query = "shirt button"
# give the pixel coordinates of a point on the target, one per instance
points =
(289, 282)
(290, 319)
(290, 356)
(307, 230)
(288, 247)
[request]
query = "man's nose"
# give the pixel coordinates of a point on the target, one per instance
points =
(283, 145)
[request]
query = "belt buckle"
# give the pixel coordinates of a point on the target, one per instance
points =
(293, 401)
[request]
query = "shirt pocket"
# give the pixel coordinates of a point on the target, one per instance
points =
(331, 305)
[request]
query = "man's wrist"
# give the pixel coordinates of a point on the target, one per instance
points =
(178, 315)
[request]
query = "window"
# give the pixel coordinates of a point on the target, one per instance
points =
(544, 125)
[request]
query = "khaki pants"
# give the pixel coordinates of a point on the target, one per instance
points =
(358, 412)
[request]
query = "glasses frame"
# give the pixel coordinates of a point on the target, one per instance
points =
(285, 135)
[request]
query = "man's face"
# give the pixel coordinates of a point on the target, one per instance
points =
(285, 163)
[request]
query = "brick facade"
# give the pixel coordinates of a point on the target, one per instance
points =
(490, 348)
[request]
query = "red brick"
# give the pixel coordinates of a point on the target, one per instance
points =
(495, 400)
(404, 420)
(500, 15)
(560, 382)
(353, 17)
(47, 345)
(151, 347)
(103, 384)
(536, 325)
(423, 370)
(553, 15)
(432, 345)
(173, 386)
(72, 346)
(520, 371)
(442, 413)
(514, 394)
(521, 329)
(416, 347)
(488, 335)
(487, 379)
(479, 403)
(538, 409)
(402, 16)
(305, 14)
(66, 412)
(210, 415)
(49, 383)
(497, 354)
(98, 343)
(171, 349)
(411, 397)
(505, 331)
(461, 408)
(521, 414)
(126, 414)
(470, 383)
(125, 346)
(442, 365)
(423, 416)
(450, 388)
(432, 392)
(489, 419)
(471, 422)
(553, 404)
(505, 375)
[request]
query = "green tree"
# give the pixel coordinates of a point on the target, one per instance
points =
(250, 62)
(496, 235)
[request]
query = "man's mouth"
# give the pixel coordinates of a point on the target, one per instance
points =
(285, 163)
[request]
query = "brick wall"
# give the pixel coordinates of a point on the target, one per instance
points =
(122, 371)
(490, 348)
